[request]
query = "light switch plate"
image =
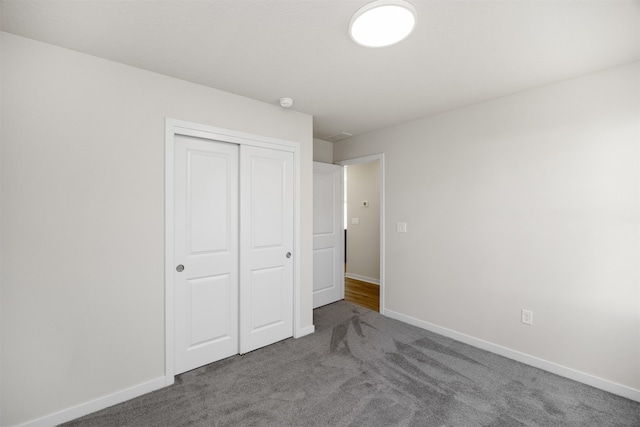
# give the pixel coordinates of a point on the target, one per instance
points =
(401, 227)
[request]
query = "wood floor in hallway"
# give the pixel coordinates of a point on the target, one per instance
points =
(362, 293)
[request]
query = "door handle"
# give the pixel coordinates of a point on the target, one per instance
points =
(288, 255)
(180, 268)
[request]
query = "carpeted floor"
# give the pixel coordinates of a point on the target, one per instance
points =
(362, 369)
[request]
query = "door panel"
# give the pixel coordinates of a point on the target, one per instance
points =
(267, 201)
(266, 272)
(265, 283)
(328, 232)
(323, 272)
(207, 309)
(206, 244)
(208, 221)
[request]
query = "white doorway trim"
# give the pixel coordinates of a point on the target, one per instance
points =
(370, 159)
(178, 127)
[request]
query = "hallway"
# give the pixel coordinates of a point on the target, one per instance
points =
(362, 293)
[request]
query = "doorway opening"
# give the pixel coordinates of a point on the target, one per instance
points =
(364, 231)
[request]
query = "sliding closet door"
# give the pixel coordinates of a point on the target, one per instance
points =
(266, 241)
(205, 252)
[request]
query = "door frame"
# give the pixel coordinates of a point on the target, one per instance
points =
(370, 159)
(175, 127)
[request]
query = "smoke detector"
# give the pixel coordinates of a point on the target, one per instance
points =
(286, 102)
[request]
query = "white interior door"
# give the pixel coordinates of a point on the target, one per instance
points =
(328, 234)
(206, 251)
(266, 270)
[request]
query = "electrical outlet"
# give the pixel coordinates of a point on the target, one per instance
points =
(527, 317)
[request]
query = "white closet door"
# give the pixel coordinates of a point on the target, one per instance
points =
(328, 234)
(266, 235)
(206, 251)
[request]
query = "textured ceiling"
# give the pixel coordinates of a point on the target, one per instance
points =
(462, 51)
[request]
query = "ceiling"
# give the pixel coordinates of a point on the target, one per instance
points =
(462, 51)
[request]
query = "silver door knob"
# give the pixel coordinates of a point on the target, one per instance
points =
(288, 254)
(180, 268)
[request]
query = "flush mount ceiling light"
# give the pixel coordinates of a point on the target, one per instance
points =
(382, 23)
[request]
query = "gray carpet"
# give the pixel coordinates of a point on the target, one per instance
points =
(362, 369)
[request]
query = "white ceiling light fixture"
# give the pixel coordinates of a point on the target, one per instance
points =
(382, 23)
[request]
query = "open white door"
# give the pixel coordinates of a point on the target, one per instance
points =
(328, 234)
(266, 270)
(206, 251)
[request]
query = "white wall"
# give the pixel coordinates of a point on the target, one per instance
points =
(528, 201)
(83, 219)
(363, 239)
(322, 151)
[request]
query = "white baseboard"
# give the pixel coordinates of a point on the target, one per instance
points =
(97, 404)
(563, 371)
(362, 278)
(118, 397)
(304, 331)
(158, 383)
